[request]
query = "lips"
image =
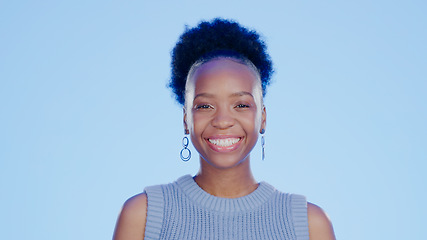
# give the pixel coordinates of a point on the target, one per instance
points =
(224, 144)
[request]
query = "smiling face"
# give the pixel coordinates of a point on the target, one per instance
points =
(224, 111)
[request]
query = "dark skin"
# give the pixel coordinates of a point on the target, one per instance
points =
(224, 119)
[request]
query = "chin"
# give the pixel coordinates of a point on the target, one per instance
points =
(225, 162)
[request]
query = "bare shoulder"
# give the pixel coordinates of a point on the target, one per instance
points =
(319, 225)
(131, 222)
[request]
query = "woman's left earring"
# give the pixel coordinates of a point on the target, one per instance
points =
(263, 144)
(185, 153)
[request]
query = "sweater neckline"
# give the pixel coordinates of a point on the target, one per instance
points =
(251, 201)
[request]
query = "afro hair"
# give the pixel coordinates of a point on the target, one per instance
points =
(216, 38)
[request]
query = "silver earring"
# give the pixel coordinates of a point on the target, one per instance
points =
(185, 153)
(263, 144)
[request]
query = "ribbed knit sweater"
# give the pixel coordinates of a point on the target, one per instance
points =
(182, 210)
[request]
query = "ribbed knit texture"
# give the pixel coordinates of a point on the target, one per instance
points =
(182, 210)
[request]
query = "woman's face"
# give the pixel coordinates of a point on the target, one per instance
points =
(224, 111)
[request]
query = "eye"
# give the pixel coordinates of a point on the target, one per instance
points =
(241, 105)
(203, 106)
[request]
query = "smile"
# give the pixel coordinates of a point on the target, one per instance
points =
(225, 142)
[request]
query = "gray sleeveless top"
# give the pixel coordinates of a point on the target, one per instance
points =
(182, 210)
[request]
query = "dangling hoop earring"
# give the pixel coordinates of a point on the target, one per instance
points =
(185, 157)
(263, 144)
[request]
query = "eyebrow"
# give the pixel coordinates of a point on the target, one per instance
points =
(237, 94)
(242, 93)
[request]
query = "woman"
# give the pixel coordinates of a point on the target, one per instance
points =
(220, 72)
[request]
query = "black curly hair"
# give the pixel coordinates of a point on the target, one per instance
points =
(217, 38)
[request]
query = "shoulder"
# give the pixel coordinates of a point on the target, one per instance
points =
(319, 225)
(131, 222)
(136, 205)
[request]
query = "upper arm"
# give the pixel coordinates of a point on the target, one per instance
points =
(319, 225)
(131, 222)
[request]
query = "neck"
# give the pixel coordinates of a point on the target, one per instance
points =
(227, 183)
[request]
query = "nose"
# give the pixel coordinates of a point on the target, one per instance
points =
(223, 119)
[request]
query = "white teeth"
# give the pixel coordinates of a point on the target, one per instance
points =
(225, 142)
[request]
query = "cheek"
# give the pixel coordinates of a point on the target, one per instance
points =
(250, 121)
(199, 122)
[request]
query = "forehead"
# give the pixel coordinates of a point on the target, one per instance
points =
(224, 75)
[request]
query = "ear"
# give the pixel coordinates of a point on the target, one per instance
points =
(186, 131)
(263, 120)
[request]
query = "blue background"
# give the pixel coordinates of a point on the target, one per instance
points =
(86, 119)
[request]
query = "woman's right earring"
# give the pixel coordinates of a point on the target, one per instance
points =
(185, 153)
